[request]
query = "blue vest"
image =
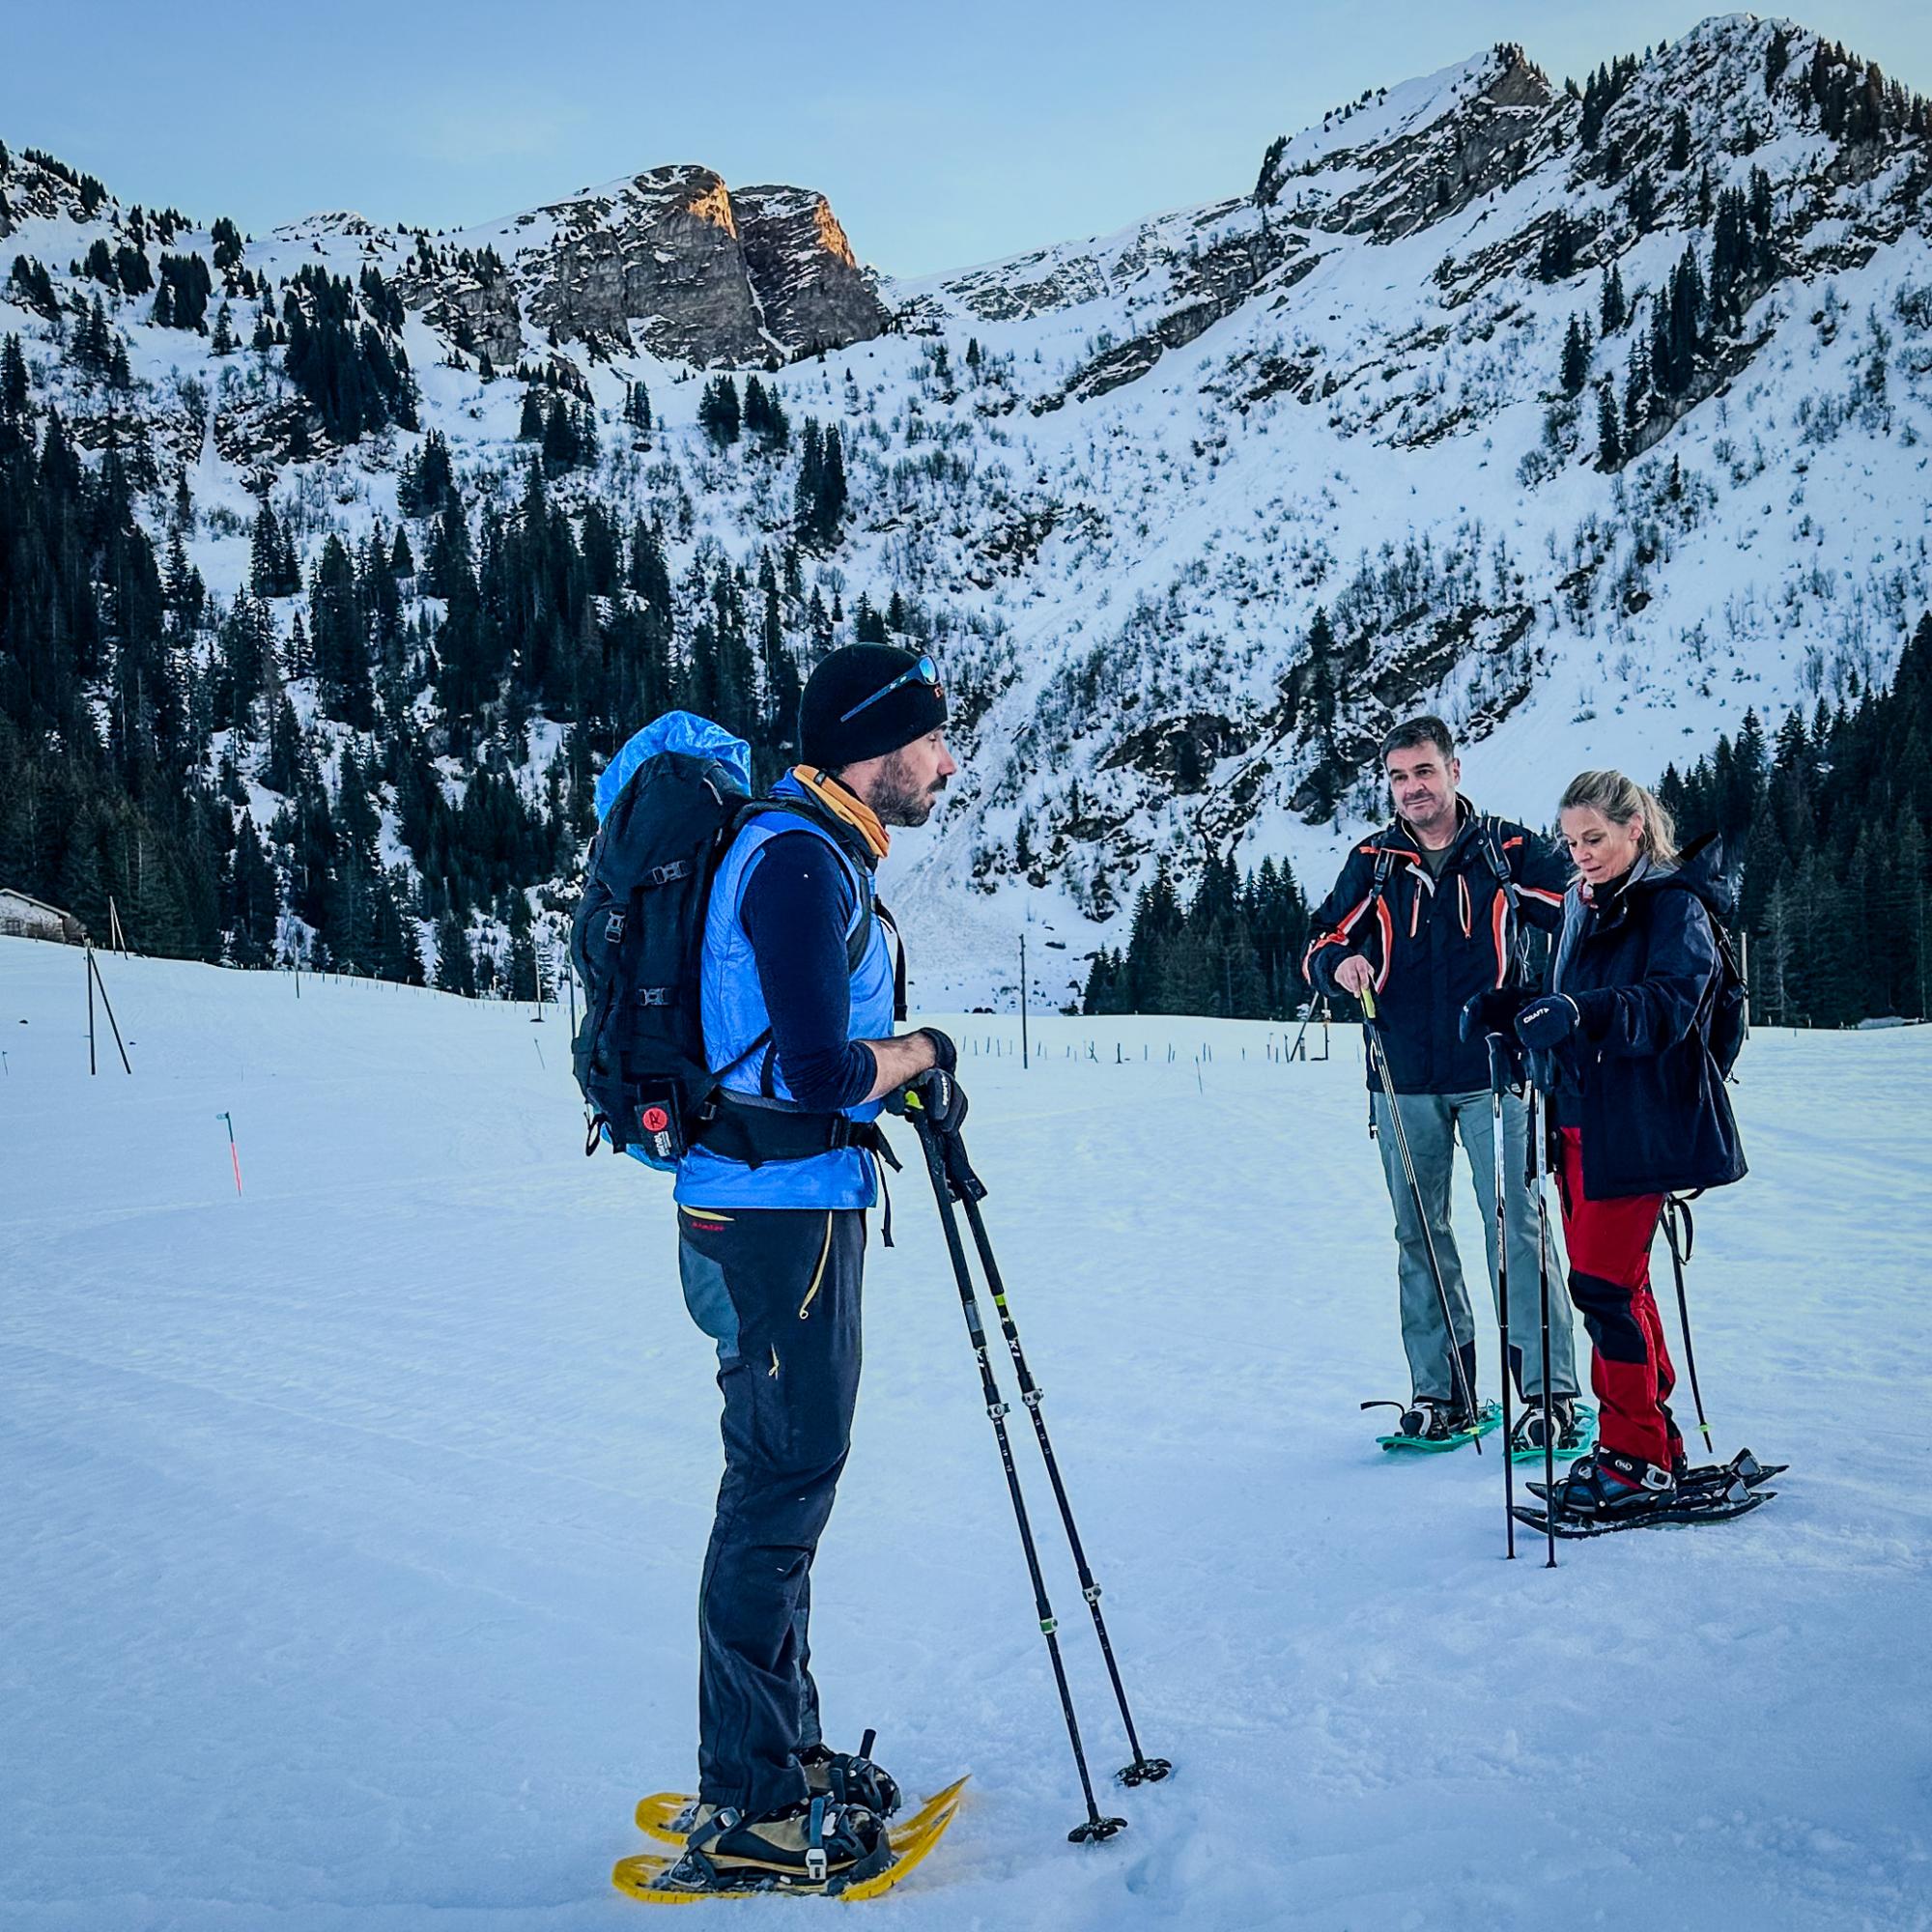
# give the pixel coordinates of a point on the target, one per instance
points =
(734, 1016)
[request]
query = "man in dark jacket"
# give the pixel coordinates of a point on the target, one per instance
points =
(1426, 913)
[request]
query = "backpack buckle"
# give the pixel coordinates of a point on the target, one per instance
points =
(614, 927)
(663, 875)
(655, 996)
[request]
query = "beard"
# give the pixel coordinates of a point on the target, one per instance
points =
(898, 798)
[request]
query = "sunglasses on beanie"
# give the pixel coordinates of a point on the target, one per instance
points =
(924, 671)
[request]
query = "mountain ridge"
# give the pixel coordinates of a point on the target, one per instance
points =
(1116, 481)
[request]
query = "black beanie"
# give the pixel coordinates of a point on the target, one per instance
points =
(843, 682)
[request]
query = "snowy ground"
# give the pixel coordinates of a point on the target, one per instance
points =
(352, 1526)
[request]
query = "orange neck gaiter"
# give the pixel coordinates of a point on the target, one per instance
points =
(845, 805)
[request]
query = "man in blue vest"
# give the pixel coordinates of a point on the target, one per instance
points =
(799, 1000)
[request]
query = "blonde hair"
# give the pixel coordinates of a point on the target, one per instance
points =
(1621, 799)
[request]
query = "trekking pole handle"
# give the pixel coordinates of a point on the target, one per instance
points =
(953, 1165)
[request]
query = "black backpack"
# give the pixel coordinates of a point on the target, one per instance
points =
(1729, 1003)
(1730, 997)
(637, 942)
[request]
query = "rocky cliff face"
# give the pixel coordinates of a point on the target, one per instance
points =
(810, 290)
(672, 261)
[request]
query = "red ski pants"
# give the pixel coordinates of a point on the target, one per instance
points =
(1609, 1242)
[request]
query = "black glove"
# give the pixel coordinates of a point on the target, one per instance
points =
(944, 1055)
(934, 1097)
(1494, 1011)
(1548, 1021)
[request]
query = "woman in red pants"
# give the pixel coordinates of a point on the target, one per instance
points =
(1622, 1045)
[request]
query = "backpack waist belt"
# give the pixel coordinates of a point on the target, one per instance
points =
(743, 1129)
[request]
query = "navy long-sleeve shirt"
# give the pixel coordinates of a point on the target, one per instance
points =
(796, 909)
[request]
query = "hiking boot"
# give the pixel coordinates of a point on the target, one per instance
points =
(850, 1776)
(1528, 1432)
(1429, 1419)
(800, 1845)
(1608, 1483)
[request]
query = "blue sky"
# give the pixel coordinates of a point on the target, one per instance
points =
(944, 136)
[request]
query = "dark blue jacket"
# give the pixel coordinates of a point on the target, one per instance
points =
(1435, 943)
(1638, 1077)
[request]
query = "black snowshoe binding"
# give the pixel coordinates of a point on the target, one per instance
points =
(1428, 1420)
(817, 1846)
(850, 1778)
(1528, 1431)
(1608, 1483)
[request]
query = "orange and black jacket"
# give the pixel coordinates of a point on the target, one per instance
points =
(1434, 942)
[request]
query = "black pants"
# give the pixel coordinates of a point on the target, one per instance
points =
(778, 1291)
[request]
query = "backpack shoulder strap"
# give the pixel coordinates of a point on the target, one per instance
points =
(892, 926)
(1489, 838)
(860, 938)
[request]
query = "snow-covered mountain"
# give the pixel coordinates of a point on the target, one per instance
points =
(1441, 373)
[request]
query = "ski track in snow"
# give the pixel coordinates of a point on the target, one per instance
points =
(354, 1526)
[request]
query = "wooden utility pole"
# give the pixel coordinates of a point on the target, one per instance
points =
(1024, 1061)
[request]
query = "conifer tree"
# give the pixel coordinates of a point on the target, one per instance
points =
(455, 963)
(339, 632)
(1679, 156)
(1611, 309)
(1556, 251)
(832, 493)
(1609, 433)
(1575, 363)
(268, 557)
(717, 411)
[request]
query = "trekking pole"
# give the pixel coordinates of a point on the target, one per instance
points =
(1095, 1827)
(1674, 1206)
(1372, 1030)
(968, 1189)
(1497, 1083)
(1541, 1156)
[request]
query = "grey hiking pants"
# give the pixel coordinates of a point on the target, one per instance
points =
(1433, 1123)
